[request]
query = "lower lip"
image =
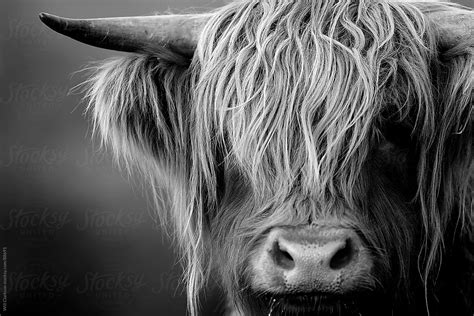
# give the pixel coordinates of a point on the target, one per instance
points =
(323, 304)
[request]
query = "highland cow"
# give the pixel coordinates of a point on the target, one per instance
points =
(315, 156)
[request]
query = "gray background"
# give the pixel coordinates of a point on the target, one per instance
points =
(79, 237)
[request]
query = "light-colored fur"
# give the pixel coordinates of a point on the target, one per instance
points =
(292, 95)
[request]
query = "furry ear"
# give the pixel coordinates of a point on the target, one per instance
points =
(138, 104)
(141, 108)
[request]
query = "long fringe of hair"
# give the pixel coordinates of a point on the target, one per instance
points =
(293, 92)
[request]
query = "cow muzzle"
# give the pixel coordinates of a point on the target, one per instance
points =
(311, 260)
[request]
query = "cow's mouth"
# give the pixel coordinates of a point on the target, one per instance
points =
(320, 304)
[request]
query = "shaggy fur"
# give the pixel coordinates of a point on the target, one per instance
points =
(302, 112)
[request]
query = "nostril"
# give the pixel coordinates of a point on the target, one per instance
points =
(281, 257)
(343, 256)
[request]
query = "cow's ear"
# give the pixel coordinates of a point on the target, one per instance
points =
(138, 104)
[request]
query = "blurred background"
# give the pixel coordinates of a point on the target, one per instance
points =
(77, 236)
(78, 233)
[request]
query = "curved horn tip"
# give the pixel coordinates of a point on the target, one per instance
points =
(51, 20)
(45, 17)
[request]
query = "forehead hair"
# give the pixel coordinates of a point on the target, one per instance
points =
(295, 92)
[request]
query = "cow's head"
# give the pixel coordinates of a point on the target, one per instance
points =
(315, 155)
